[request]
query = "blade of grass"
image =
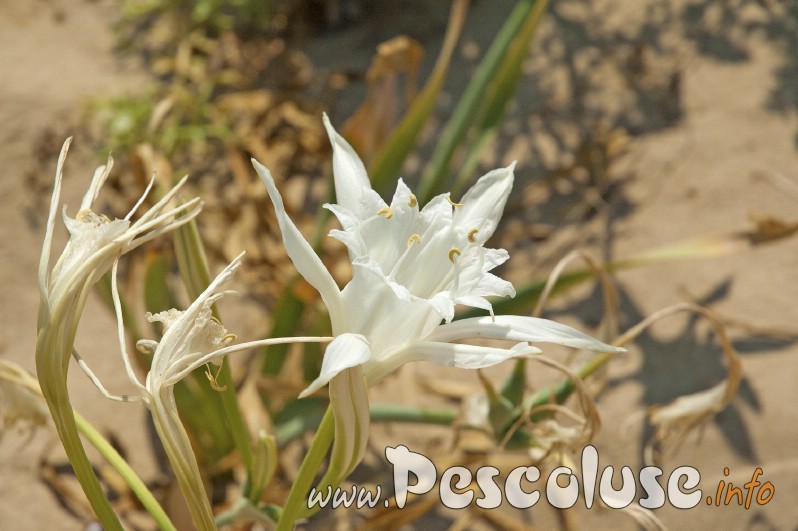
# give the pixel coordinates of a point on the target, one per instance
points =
(467, 108)
(196, 276)
(499, 93)
(287, 315)
(387, 163)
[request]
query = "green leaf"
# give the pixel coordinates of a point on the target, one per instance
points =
(195, 272)
(499, 93)
(388, 161)
(158, 295)
(286, 317)
(468, 106)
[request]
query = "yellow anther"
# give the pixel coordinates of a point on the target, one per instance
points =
(385, 211)
(146, 346)
(87, 215)
(472, 235)
(453, 203)
(414, 238)
(453, 251)
(213, 380)
(228, 338)
(413, 201)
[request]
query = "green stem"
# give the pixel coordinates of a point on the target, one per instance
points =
(396, 413)
(297, 497)
(561, 393)
(58, 401)
(123, 469)
(178, 450)
(53, 351)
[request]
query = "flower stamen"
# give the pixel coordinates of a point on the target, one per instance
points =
(87, 215)
(452, 252)
(453, 203)
(413, 201)
(385, 211)
(472, 235)
(414, 238)
(213, 378)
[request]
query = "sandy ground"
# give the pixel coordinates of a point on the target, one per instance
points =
(726, 151)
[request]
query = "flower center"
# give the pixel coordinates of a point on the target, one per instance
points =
(419, 250)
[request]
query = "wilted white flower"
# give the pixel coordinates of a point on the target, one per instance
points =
(191, 339)
(95, 243)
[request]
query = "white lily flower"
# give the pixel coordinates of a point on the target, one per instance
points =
(410, 267)
(191, 339)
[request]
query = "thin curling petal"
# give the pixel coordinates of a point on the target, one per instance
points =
(520, 328)
(44, 262)
(188, 332)
(348, 171)
(344, 352)
(302, 254)
(100, 176)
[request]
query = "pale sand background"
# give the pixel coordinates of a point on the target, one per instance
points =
(729, 154)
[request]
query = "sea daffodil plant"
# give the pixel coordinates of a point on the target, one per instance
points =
(95, 243)
(410, 267)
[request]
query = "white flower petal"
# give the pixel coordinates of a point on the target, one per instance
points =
(465, 356)
(348, 171)
(490, 286)
(484, 203)
(188, 332)
(97, 181)
(389, 322)
(302, 254)
(44, 262)
(370, 203)
(403, 198)
(519, 328)
(355, 245)
(346, 217)
(437, 208)
(444, 305)
(344, 352)
(475, 301)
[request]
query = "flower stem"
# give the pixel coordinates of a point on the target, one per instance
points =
(396, 413)
(297, 497)
(53, 349)
(126, 472)
(61, 411)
